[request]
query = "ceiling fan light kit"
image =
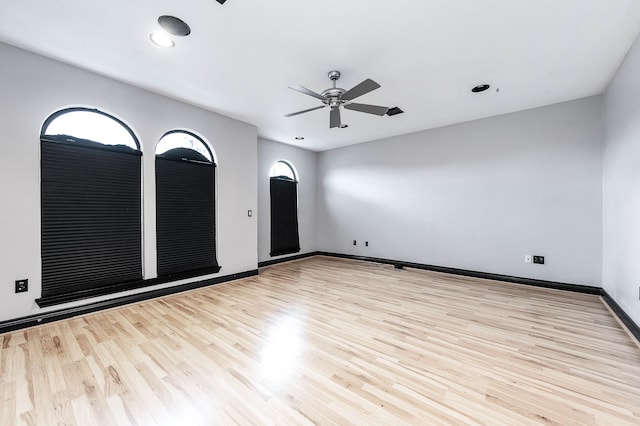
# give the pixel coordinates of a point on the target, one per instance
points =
(336, 97)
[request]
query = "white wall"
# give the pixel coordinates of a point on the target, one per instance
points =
(478, 196)
(304, 162)
(33, 87)
(621, 186)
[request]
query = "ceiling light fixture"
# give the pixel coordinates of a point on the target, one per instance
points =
(161, 39)
(480, 88)
(175, 26)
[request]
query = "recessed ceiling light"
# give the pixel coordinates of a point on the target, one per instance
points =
(299, 138)
(480, 88)
(161, 39)
(173, 25)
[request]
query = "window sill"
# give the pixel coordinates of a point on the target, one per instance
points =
(119, 288)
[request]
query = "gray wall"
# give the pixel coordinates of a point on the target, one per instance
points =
(621, 186)
(304, 162)
(479, 195)
(32, 88)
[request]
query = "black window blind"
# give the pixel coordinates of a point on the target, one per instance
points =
(91, 216)
(284, 216)
(185, 215)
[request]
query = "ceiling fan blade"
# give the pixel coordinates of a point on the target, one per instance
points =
(303, 111)
(306, 91)
(365, 87)
(370, 109)
(334, 118)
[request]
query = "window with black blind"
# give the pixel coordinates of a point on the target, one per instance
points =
(185, 206)
(90, 205)
(284, 210)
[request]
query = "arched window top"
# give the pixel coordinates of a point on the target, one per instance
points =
(182, 144)
(86, 124)
(283, 170)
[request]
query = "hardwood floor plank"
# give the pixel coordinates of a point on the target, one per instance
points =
(7, 403)
(330, 341)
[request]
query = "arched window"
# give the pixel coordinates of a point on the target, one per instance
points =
(90, 205)
(282, 169)
(89, 125)
(183, 140)
(185, 206)
(284, 209)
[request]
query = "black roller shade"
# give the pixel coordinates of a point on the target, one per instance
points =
(284, 216)
(185, 154)
(185, 216)
(91, 216)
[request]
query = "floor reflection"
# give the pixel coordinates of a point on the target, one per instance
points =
(280, 355)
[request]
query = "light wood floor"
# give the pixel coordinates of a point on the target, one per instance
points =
(330, 341)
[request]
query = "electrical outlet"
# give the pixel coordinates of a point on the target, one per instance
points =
(250, 213)
(355, 242)
(366, 243)
(527, 258)
(538, 259)
(22, 286)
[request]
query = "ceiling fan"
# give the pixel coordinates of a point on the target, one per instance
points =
(335, 97)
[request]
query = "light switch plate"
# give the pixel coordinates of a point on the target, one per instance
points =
(22, 286)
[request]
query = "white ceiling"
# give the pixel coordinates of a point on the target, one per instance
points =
(426, 55)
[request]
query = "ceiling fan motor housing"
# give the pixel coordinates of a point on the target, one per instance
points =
(332, 96)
